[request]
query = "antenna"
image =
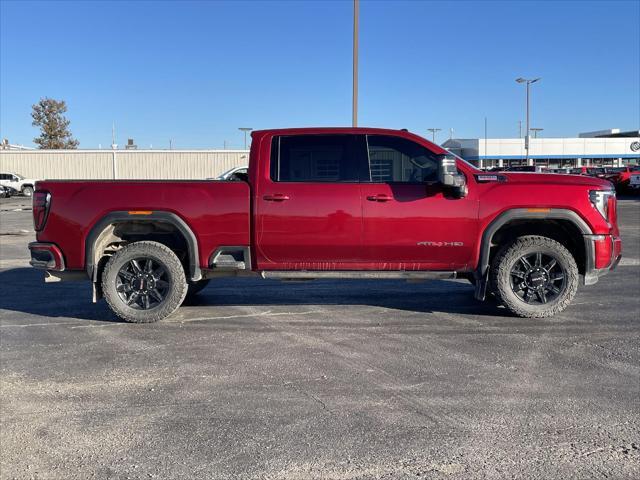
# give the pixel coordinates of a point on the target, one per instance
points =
(113, 136)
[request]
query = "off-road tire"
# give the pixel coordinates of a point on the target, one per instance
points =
(27, 191)
(196, 287)
(160, 254)
(505, 259)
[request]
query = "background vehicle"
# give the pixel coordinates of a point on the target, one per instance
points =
(332, 203)
(590, 171)
(562, 171)
(634, 181)
(527, 168)
(6, 192)
(18, 182)
(620, 176)
(235, 174)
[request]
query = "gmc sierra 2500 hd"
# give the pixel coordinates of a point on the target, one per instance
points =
(331, 203)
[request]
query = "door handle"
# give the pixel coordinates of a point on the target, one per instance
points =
(276, 197)
(381, 197)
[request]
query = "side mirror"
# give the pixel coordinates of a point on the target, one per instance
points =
(449, 176)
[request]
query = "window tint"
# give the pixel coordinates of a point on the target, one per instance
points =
(395, 159)
(314, 158)
(5, 176)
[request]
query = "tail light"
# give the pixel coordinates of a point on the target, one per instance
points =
(41, 206)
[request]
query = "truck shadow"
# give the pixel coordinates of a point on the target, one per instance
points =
(23, 290)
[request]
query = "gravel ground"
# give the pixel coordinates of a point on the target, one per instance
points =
(336, 380)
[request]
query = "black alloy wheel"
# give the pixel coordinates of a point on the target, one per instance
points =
(142, 283)
(538, 278)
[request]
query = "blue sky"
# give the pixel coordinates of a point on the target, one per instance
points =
(195, 71)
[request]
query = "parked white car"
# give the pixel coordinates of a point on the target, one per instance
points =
(235, 173)
(634, 181)
(18, 182)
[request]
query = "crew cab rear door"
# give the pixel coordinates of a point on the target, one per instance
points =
(308, 210)
(410, 221)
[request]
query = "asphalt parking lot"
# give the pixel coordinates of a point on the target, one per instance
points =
(336, 380)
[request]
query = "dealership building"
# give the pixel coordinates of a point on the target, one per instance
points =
(603, 148)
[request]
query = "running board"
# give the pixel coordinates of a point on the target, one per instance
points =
(358, 275)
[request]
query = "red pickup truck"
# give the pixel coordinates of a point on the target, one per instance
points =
(331, 203)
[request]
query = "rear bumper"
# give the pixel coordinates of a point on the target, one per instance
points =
(604, 252)
(46, 256)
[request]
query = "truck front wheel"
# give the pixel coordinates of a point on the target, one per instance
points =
(534, 277)
(144, 282)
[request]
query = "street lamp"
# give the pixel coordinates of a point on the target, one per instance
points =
(433, 133)
(354, 100)
(535, 131)
(245, 130)
(526, 138)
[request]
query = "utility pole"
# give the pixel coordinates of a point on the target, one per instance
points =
(519, 128)
(433, 133)
(528, 82)
(535, 131)
(245, 130)
(354, 105)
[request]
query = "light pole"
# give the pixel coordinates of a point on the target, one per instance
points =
(354, 104)
(526, 138)
(535, 131)
(433, 133)
(245, 130)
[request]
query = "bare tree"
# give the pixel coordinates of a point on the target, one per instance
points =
(48, 115)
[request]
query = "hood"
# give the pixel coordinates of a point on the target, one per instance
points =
(557, 179)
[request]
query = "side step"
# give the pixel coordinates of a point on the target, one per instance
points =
(358, 275)
(231, 258)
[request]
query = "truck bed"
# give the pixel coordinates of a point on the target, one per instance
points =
(216, 211)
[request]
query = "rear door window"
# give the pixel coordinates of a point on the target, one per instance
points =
(315, 158)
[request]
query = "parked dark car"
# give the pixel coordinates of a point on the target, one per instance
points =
(6, 192)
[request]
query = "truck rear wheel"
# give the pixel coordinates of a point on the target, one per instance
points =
(144, 282)
(534, 277)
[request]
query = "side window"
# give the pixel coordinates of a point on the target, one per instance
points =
(395, 159)
(5, 176)
(314, 158)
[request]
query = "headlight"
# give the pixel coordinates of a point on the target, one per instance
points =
(602, 200)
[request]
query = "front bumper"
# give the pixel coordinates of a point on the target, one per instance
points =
(46, 256)
(603, 252)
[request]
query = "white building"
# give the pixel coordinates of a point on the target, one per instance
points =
(602, 148)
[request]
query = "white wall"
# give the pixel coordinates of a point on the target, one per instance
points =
(121, 164)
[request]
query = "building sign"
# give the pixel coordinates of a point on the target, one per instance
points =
(635, 146)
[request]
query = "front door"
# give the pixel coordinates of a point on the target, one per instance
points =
(410, 222)
(309, 210)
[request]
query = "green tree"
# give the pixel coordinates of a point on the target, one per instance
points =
(48, 115)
